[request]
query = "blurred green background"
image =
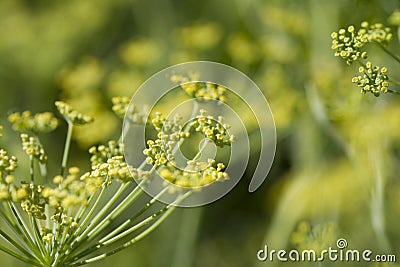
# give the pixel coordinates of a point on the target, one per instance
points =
(337, 162)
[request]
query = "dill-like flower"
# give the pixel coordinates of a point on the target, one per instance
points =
(122, 108)
(347, 44)
(8, 163)
(212, 129)
(160, 152)
(71, 115)
(372, 79)
(202, 90)
(33, 147)
(38, 123)
(376, 33)
(73, 218)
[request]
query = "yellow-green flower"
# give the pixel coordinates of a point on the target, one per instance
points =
(71, 115)
(38, 123)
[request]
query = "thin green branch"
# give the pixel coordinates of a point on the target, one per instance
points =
(170, 209)
(394, 82)
(145, 208)
(23, 227)
(66, 148)
(114, 236)
(20, 257)
(13, 225)
(88, 216)
(16, 244)
(116, 211)
(36, 234)
(395, 57)
(31, 168)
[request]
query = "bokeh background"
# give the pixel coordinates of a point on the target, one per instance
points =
(336, 171)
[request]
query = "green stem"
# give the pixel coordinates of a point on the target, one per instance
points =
(198, 155)
(185, 244)
(123, 225)
(16, 244)
(170, 209)
(133, 228)
(117, 211)
(393, 92)
(25, 231)
(93, 208)
(82, 238)
(56, 241)
(37, 237)
(82, 210)
(12, 224)
(395, 57)
(18, 256)
(66, 148)
(43, 172)
(31, 168)
(87, 217)
(114, 236)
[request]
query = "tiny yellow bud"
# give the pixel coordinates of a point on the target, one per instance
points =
(57, 179)
(74, 170)
(9, 179)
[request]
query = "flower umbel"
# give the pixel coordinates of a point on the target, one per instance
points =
(38, 123)
(71, 115)
(74, 218)
(373, 79)
(347, 44)
(171, 134)
(33, 147)
(202, 90)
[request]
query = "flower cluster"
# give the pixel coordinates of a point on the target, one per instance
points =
(108, 162)
(33, 147)
(114, 168)
(63, 220)
(38, 123)
(31, 200)
(100, 154)
(71, 115)
(8, 163)
(376, 33)
(372, 79)
(347, 44)
(203, 90)
(160, 152)
(195, 175)
(213, 129)
(69, 192)
(122, 108)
